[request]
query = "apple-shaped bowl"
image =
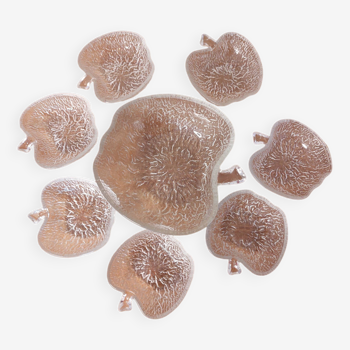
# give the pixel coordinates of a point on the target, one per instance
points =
(159, 162)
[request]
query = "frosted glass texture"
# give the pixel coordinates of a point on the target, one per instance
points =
(229, 70)
(159, 161)
(60, 127)
(250, 230)
(119, 64)
(154, 269)
(293, 162)
(78, 219)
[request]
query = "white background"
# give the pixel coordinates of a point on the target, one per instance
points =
(56, 303)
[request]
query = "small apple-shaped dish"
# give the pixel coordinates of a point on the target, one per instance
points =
(229, 70)
(78, 219)
(250, 230)
(159, 162)
(293, 162)
(119, 64)
(154, 269)
(61, 127)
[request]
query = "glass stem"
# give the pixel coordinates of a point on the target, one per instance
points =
(37, 215)
(233, 267)
(234, 175)
(126, 302)
(260, 138)
(26, 145)
(85, 83)
(207, 41)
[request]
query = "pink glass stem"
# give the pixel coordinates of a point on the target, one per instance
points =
(26, 145)
(207, 41)
(85, 83)
(234, 175)
(233, 267)
(37, 215)
(260, 138)
(126, 302)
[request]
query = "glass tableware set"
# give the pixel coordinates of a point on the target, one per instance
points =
(159, 165)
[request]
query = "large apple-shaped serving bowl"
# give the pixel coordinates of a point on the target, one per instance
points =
(158, 163)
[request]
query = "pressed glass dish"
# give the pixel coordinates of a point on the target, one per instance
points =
(61, 128)
(154, 269)
(228, 70)
(158, 163)
(293, 162)
(119, 64)
(78, 219)
(248, 229)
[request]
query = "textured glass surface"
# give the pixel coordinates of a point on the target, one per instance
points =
(60, 127)
(119, 64)
(154, 269)
(229, 70)
(158, 163)
(293, 162)
(250, 230)
(78, 218)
